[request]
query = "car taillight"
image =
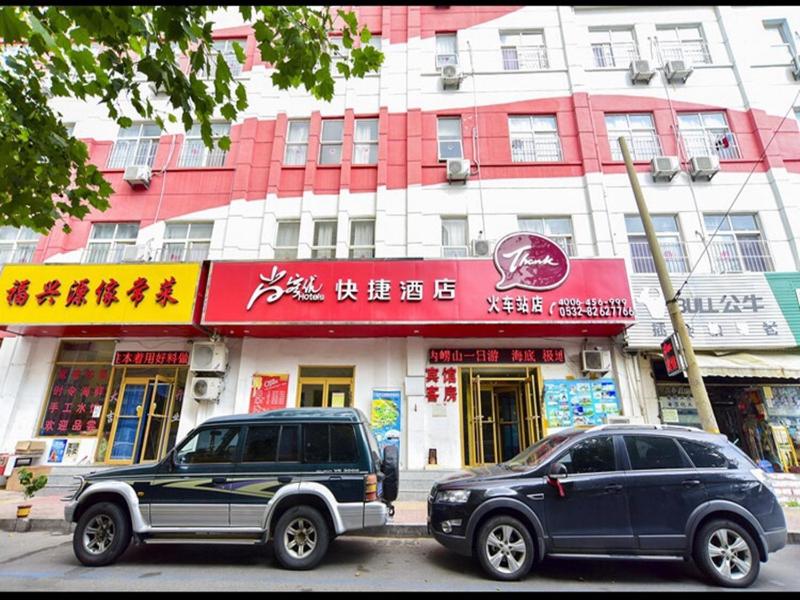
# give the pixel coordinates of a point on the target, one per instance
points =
(370, 488)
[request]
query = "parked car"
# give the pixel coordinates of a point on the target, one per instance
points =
(615, 490)
(298, 476)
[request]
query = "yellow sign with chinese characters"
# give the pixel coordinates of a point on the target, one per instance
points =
(98, 294)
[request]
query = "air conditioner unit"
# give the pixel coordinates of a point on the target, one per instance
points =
(130, 253)
(206, 388)
(457, 169)
(703, 167)
(641, 72)
(138, 176)
(451, 76)
(209, 357)
(481, 248)
(596, 361)
(664, 168)
(796, 66)
(677, 71)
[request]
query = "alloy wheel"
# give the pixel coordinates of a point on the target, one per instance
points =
(300, 538)
(730, 555)
(505, 549)
(99, 534)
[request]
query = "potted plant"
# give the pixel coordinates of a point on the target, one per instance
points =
(30, 485)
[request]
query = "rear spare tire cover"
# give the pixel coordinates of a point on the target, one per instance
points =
(391, 470)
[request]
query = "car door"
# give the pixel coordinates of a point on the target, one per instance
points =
(195, 491)
(663, 490)
(592, 515)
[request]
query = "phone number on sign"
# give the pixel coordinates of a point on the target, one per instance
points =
(594, 307)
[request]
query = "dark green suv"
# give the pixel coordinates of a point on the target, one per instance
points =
(297, 476)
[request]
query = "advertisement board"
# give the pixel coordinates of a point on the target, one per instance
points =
(571, 402)
(268, 391)
(385, 417)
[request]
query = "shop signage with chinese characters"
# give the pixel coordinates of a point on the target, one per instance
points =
(76, 400)
(135, 358)
(268, 392)
(495, 355)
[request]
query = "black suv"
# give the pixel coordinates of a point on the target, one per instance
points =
(614, 490)
(298, 476)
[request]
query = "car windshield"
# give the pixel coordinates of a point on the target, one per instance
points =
(539, 451)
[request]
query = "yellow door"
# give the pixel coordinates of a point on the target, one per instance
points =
(133, 398)
(157, 418)
(325, 392)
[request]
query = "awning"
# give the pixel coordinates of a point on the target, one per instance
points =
(742, 364)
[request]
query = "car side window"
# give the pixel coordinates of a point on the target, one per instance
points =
(704, 455)
(315, 443)
(593, 455)
(289, 445)
(343, 444)
(326, 443)
(261, 444)
(653, 452)
(212, 445)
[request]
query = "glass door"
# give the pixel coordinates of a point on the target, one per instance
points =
(128, 420)
(325, 387)
(508, 408)
(157, 415)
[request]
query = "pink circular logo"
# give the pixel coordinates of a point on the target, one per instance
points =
(530, 261)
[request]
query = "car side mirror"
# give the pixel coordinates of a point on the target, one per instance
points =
(557, 471)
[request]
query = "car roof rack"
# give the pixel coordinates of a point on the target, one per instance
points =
(653, 426)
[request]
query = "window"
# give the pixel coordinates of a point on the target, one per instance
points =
(213, 445)
(737, 245)
(338, 52)
(534, 138)
(446, 49)
(524, 50)
(448, 131)
(286, 240)
(289, 444)
(639, 132)
(108, 241)
(683, 42)
(196, 154)
(778, 40)
(362, 239)
(454, 237)
(669, 240)
(261, 444)
(653, 452)
(226, 49)
(324, 240)
(17, 245)
(365, 142)
(594, 455)
(135, 145)
(704, 455)
(704, 134)
(558, 229)
(613, 47)
(186, 242)
(70, 127)
(324, 443)
(296, 143)
(330, 143)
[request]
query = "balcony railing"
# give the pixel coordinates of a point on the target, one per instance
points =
(525, 57)
(543, 148)
(703, 143)
(614, 55)
(692, 53)
(674, 254)
(23, 253)
(740, 256)
(101, 253)
(641, 146)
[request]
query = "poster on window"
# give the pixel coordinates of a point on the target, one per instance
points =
(268, 392)
(575, 402)
(76, 397)
(56, 454)
(385, 418)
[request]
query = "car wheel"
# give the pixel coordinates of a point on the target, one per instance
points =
(103, 533)
(505, 548)
(727, 553)
(301, 538)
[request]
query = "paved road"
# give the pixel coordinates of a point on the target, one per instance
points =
(44, 561)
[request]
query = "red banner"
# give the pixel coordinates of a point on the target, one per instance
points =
(268, 392)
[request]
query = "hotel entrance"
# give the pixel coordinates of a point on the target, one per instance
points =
(502, 413)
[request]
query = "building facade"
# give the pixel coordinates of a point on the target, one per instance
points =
(354, 196)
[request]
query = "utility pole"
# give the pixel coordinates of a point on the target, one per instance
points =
(696, 384)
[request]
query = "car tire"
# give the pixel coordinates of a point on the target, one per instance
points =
(102, 534)
(727, 553)
(301, 538)
(390, 467)
(505, 548)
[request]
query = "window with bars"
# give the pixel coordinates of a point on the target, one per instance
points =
(17, 245)
(613, 46)
(738, 245)
(523, 50)
(296, 151)
(446, 49)
(534, 138)
(640, 133)
(225, 48)
(330, 142)
(196, 154)
(558, 229)
(186, 242)
(448, 131)
(107, 241)
(669, 240)
(683, 42)
(455, 242)
(707, 133)
(286, 240)
(324, 240)
(362, 238)
(365, 142)
(135, 145)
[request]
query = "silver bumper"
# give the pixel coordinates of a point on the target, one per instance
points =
(69, 510)
(376, 514)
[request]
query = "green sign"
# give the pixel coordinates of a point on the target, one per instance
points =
(786, 289)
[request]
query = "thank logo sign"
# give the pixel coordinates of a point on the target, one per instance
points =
(530, 261)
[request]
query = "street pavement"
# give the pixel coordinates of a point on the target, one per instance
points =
(45, 561)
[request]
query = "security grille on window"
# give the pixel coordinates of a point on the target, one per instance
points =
(365, 142)
(446, 49)
(17, 245)
(107, 241)
(534, 138)
(324, 240)
(196, 154)
(738, 245)
(683, 42)
(449, 136)
(330, 143)
(135, 145)
(669, 240)
(296, 143)
(286, 240)
(226, 49)
(362, 238)
(454, 237)
(558, 229)
(523, 50)
(187, 242)
(639, 132)
(704, 134)
(613, 47)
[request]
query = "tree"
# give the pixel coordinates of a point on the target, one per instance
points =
(111, 54)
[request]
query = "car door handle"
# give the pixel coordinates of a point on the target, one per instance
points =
(614, 487)
(219, 480)
(284, 479)
(690, 482)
